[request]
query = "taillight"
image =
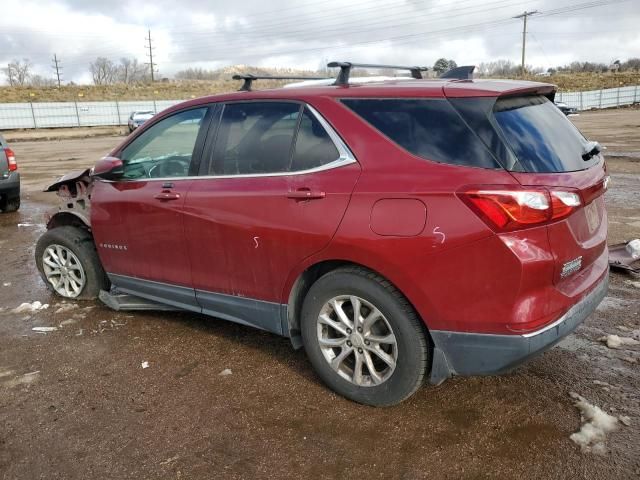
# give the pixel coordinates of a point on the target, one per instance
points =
(11, 159)
(511, 208)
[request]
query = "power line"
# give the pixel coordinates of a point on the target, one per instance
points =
(524, 17)
(150, 55)
(57, 67)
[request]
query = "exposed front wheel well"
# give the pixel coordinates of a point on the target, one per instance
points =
(307, 279)
(67, 219)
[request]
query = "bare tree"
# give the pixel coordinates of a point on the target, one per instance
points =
(130, 71)
(40, 81)
(103, 71)
(18, 72)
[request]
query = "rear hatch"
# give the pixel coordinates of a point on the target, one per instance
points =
(551, 152)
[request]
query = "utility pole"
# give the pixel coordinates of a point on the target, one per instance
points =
(524, 17)
(56, 66)
(150, 55)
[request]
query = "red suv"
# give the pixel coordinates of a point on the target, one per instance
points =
(399, 230)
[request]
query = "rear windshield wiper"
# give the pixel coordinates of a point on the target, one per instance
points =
(590, 150)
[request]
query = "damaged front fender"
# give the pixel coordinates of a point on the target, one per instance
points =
(74, 190)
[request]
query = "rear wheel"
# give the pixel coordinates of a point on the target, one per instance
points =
(10, 205)
(69, 265)
(363, 338)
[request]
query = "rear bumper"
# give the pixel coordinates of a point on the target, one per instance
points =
(462, 353)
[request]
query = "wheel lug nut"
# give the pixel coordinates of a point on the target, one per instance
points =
(366, 342)
(348, 342)
(348, 330)
(359, 350)
(360, 329)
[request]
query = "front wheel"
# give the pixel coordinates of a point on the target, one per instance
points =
(68, 263)
(363, 338)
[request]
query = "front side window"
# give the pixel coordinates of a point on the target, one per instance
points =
(166, 149)
(427, 128)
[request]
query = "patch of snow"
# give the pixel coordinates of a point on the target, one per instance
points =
(633, 248)
(65, 307)
(6, 373)
(6, 284)
(633, 284)
(225, 372)
(26, 224)
(44, 329)
(596, 424)
(68, 321)
(614, 341)
(30, 307)
(145, 365)
(625, 419)
(25, 379)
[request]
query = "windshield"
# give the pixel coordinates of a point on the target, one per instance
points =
(541, 137)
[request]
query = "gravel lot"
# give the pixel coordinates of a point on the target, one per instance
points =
(76, 402)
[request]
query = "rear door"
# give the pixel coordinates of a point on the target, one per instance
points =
(552, 153)
(275, 185)
(138, 220)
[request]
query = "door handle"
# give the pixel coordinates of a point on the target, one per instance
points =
(306, 194)
(165, 196)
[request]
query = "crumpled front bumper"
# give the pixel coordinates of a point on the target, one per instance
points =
(463, 353)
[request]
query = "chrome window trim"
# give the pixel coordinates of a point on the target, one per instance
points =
(346, 158)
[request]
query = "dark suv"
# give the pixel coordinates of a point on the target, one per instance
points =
(9, 179)
(399, 230)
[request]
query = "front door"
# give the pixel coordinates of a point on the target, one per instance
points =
(274, 188)
(138, 220)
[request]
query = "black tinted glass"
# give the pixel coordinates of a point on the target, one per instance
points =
(541, 136)
(314, 147)
(428, 128)
(254, 138)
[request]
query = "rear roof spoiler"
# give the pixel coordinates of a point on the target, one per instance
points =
(459, 73)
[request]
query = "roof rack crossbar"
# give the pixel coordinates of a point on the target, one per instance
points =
(460, 73)
(249, 79)
(345, 70)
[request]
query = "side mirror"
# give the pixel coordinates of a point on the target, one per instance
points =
(108, 168)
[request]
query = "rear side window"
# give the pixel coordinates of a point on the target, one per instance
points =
(541, 136)
(428, 128)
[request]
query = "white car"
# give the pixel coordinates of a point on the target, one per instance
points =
(138, 118)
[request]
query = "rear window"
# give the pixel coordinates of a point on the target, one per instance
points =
(428, 128)
(541, 136)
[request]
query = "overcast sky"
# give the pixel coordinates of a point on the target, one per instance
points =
(306, 33)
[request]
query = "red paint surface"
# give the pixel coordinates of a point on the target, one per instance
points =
(244, 236)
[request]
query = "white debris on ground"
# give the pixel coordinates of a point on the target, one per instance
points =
(30, 307)
(25, 379)
(633, 284)
(145, 365)
(44, 329)
(625, 419)
(596, 424)
(633, 248)
(26, 224)
(614, 341)
(65, 307)
(6, 284)
(225, 372)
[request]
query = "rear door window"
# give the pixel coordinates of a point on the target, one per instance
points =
(428, 128)
(255, 138)
(541, 136)
(314, 146)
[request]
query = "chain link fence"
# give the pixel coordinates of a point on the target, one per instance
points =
(92, 114)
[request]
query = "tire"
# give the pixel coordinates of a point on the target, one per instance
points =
(11, 205)
(355, 286)
(83, 253)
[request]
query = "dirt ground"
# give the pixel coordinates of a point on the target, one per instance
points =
(76, 403)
